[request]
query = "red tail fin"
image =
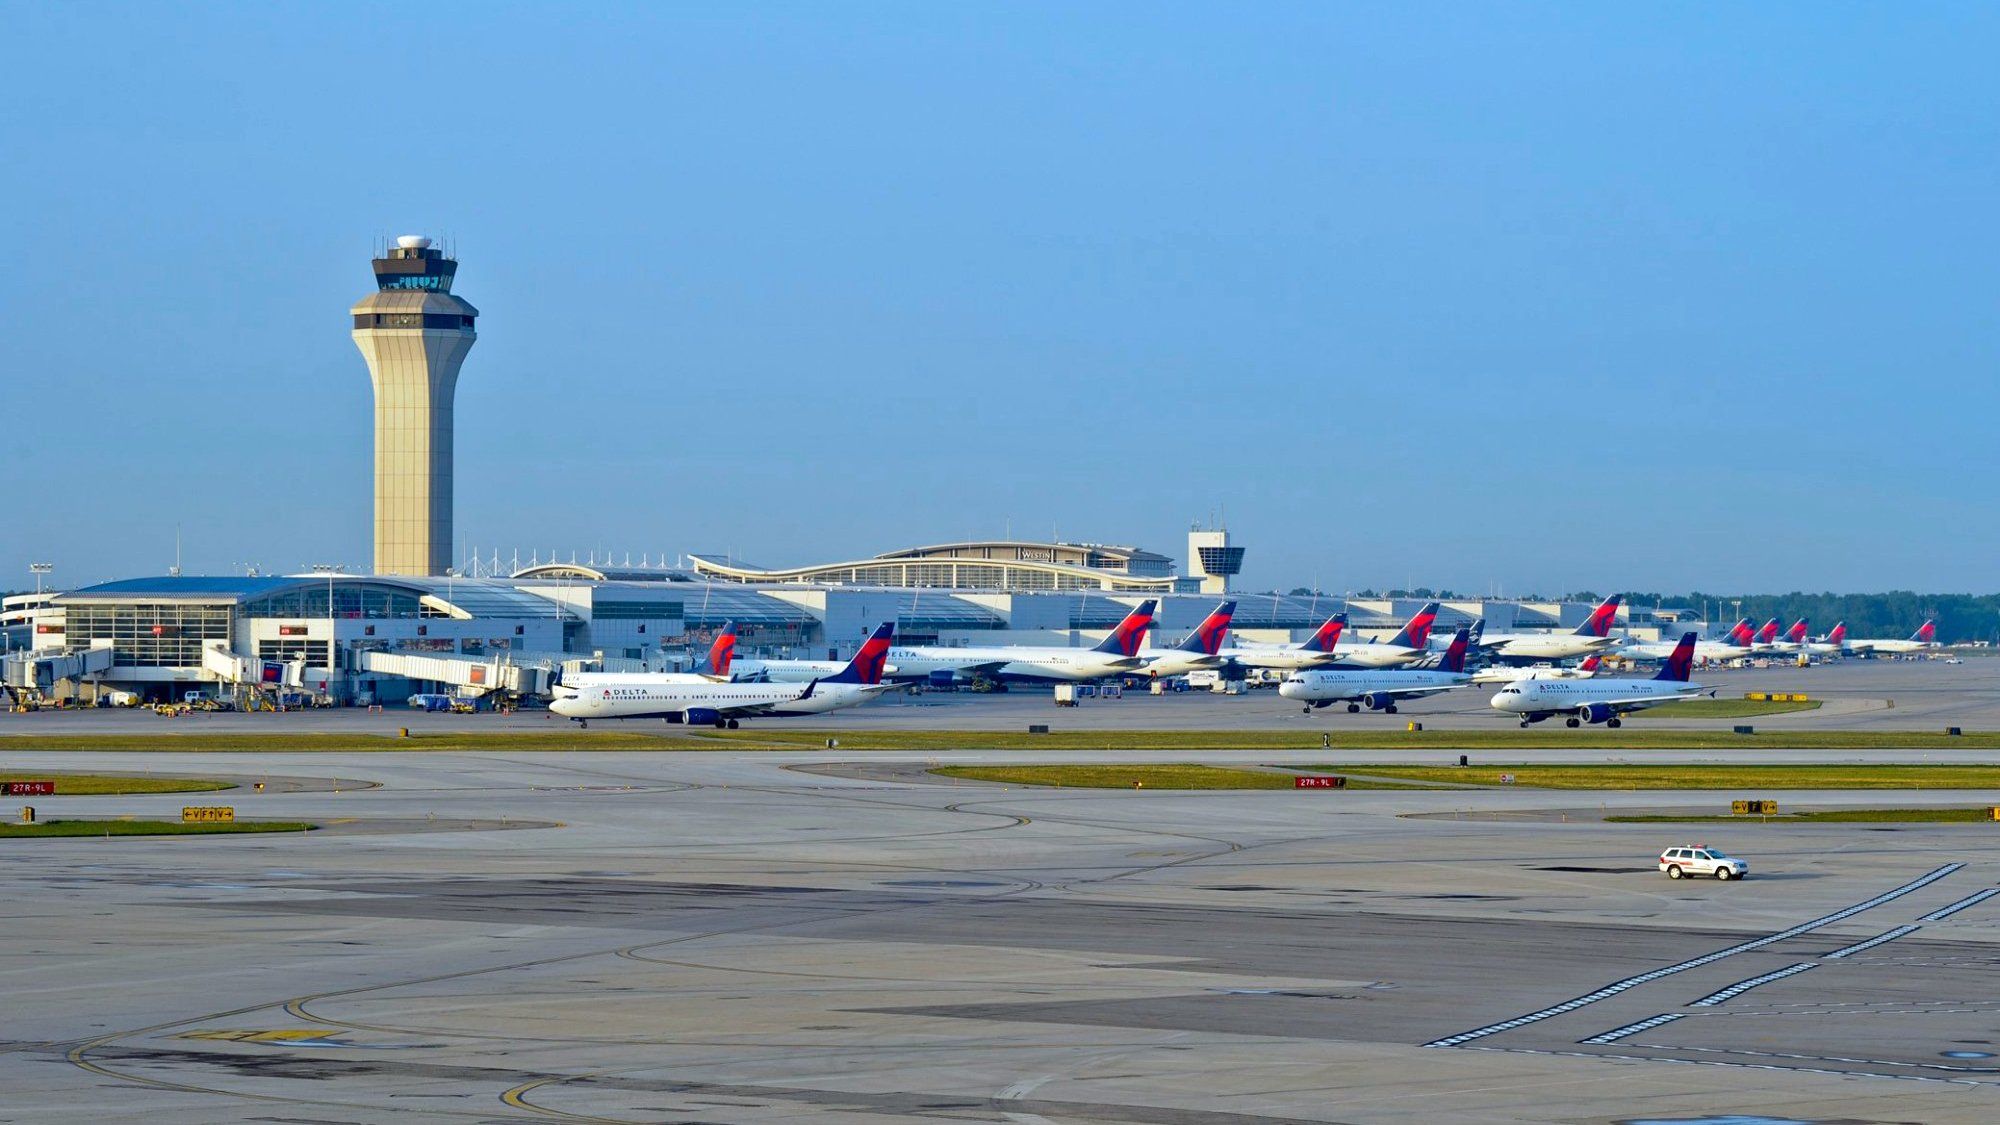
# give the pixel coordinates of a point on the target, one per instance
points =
(722, 653)
(1797, 633)
(1927, 633)
(1590, 664)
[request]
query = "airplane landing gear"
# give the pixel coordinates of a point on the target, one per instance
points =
(1614, 721)
(1354, 708)
(1309, 708)
(1572, 721)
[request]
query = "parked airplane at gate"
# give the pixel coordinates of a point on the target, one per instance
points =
(1734, 646)
(1511, 673)
(1201, 648)
(1311, 653)
(723, 705)
(1117, 654)
(779, 671)
(1594, 635)
(720, 655)
(1381, 688)
(1601, 700)
(1798, 641)
(1925, 637)
(1406, 647)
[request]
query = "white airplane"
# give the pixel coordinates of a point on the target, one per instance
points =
(1405, 647)
(1513, 673)
(1798, 641)
(1117, 654)
(1925, 637)
(722, 705)
(1600, 701)
(1594, 635)
(1201, 648)
(1311, 653)
(719, 658)
(723, 663)
(1734, 646)
(1378, 688)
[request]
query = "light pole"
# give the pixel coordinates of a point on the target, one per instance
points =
(328, 569)
(39, 570)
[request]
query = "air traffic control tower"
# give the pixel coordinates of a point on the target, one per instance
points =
(414, 335)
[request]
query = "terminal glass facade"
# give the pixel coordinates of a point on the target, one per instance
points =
(167, 634)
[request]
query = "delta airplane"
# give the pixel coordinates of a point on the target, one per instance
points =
(720, 655)
(1925, 637)
(1514, 673)
(777, 671)
(1201, 648)
(1798, 641)
(1380, 688)
(1405, 647)
(1310, 653)
(723, 705)
(1736, 645)
(1117, 654)
(1601, 701)
(1594, 635)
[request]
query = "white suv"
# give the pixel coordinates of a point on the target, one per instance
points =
(1700, 859)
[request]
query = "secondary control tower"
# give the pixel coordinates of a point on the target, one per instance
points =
(414, 334)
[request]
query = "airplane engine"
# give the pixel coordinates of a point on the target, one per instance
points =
(1596, 712)
(701, 716)
(1379, 700)
(942, 678)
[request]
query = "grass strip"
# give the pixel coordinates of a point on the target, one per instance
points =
(1165, 776)
(1750, 780)
(105, 785)
(75, 828)
(1726, 708)
(1829, 816)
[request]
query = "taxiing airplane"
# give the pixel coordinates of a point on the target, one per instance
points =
(722, 705)
(1379, 689)
(1117, 654)
(1601, 701)
(1925, 637)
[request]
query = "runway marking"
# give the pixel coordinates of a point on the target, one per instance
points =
(1943, 912)
(1725, 995)
(1878, 939)
(1617, 987)
(1616, 1034)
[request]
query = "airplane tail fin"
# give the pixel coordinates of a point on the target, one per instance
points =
(1742, 635)
(1602, 618)
(1478, 632)
(1327, 637)
(1926, 633)
(1837, 636)
(1799, 631)
(1207, 636)
(1590, 663)
(1681, 664)
(1454, 657)
(1768, 633)
(869, 659)
(1417, 634)
(1131, 632)
(722, 653)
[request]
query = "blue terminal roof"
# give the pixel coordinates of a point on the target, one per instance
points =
(217, 588)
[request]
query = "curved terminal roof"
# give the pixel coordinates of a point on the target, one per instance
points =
(943, 571)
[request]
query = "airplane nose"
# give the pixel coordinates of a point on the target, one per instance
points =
(1501, 700)
(564, 706)
(1289, 690)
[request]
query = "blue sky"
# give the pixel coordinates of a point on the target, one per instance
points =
(1479, 296)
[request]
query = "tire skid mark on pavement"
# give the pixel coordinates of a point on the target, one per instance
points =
(1617, 987)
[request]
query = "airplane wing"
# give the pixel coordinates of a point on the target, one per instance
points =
(1414, 692)
(1624, 705)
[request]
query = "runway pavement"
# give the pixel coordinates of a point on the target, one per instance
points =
(721, 937)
